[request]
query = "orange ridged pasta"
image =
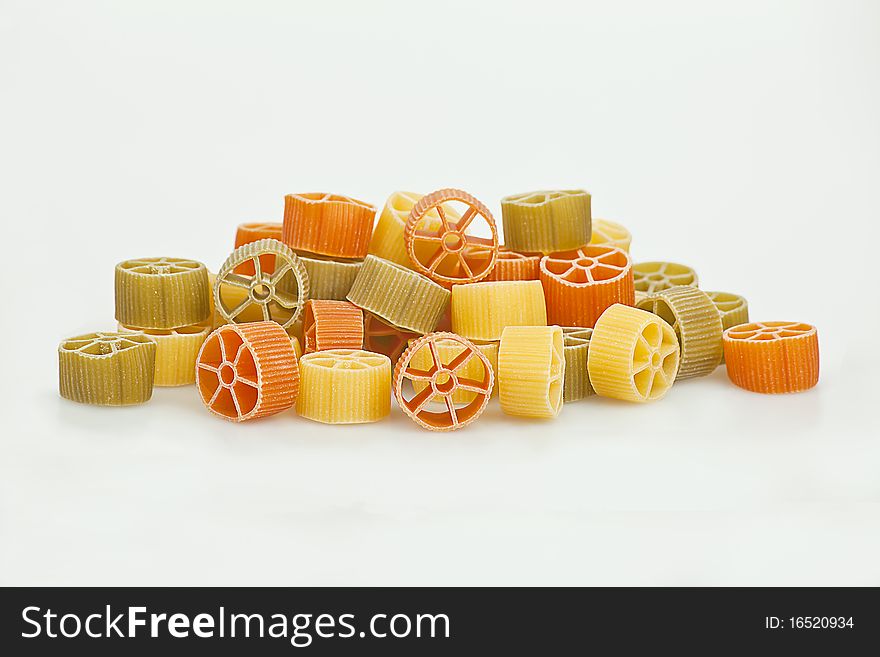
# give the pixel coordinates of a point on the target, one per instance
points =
(252, 232)
(448, 371)
(580, 284)
(772, 357)
(384, 338)
(328, 224)
(247, 371)
(345, 386)
(332, 325)
(513, 266)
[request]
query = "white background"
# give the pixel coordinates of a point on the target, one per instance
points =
(740, 138)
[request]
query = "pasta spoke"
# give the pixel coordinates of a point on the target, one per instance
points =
(237, 280)
(420, 400)
(464, 264)
(466, 219)
(450, 406)
(461, 360)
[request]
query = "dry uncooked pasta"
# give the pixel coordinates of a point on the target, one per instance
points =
(442, 375)
(633, 355)
(772, 357)
(513, 266)
(546, 221)
(279, 296)
(162, 293)
(383, 338)
(697, 325)
(651, 277)
(254, 232)
(328, 224)
(107, 369)
(576, 341)
(531, 371)
(610, 233)
(481, 311)
(448, 349)
(734, 309)
(297, 349)
(331, 324)
(387, 241)
(330, 279)
(580, 284)
(401, 297)
(176, 351)
(345, 386)
(247, 371)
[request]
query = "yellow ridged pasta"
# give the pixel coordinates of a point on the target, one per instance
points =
(531, 371)
(399, 296)
(447, 350)
(609, 233)
(387, 240)
(330, 279)
(481, 311)
(107, 369)
(633, 355)
(176, 351)
(651, 277)
(344, 386)
(546, 221)
(297, 348)
(576, 341)
(697, 325)
(162, 293)
(734, 309)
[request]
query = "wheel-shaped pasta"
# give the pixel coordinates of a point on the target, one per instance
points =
(734, 309)
(609, 233)
(176, 351)
(388, 242)
(546, 221)
(513, 266)
(448, 350)
(576, 343)
(398, 295)
(279, 296)
(443, 377)
(383, 338)
(107, 369)
(697, 325)
(328, 224)
(651, 277)
(456, 254)
(531, 371)
(162, 293)
(330, 279)
(345, 386)
(247, 371)
(580, 284)
(772, 357)
(633, 355)
(253, 232)
(332, 325)
(481, 311)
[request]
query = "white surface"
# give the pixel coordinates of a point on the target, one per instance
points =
(741, 139)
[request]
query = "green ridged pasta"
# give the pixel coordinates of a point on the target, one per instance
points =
(576, 349)
(546, 221)
(162, 293)
(330, 279)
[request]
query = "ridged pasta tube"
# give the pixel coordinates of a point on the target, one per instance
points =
(772, 357)
(531, 371)
(330, 279)
(176, 352)
(345, 386)
(162, 293)
(546, 221)
(576, 342)
(481, 311)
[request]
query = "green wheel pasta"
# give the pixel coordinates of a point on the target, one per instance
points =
(162, 293)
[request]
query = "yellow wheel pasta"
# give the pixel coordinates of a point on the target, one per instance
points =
(330, 279)
(608, 233)
(344, 386)
(387, 241)
(176, 351)
(697, 325)
(107, 369)
(399, 296)
(576, 342)
(162, 293)
(481, 311)
(651, 277)
(448, 350)
(278, 297)
(734, 309)
(531, 371)
(633, 355)
(546, 221)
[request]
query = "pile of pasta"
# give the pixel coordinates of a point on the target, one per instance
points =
(335, 312)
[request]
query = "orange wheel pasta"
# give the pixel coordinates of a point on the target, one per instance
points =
(772, 357)
(384, 338)
(442, 379)
(580, 284)
(328, 224)
(332, 325)
(387, 241)
(247, 371)
(458, 256)
(254, 232)
(513, 266)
